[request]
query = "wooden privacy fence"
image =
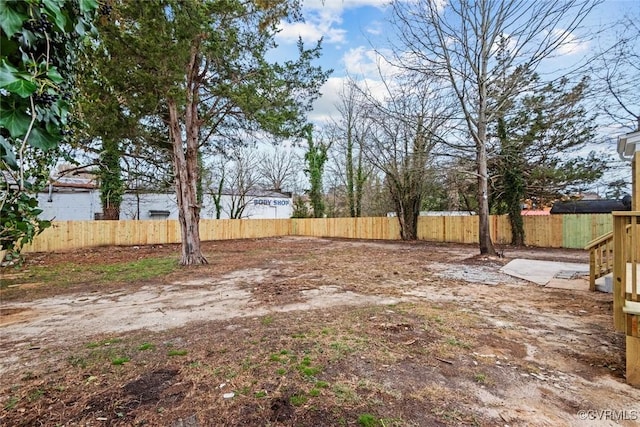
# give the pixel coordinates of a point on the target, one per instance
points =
(553, 231)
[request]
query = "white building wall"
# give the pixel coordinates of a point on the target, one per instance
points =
(137, 206)
(257, 207)
(269, 207)
(77, 205)
(84, 204)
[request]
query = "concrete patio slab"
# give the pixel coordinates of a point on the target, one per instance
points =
(543, 272)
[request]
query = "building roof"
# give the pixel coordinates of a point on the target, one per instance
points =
(535, 212)
(588, 206)
(274, 194)
(67, 182)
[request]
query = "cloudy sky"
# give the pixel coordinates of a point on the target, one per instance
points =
(352, 30)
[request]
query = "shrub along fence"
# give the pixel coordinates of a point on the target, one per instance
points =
(552, 231)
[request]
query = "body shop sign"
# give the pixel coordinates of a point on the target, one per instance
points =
(270, 202)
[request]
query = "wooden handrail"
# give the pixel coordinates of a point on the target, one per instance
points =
(595, 242)
(600, 258)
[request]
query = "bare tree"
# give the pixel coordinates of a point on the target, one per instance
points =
(351, 170)
(619, 71)
(405, 129)
(235, 176)
(242, 182)
(214, 178)
(457, 41)
(278, 169)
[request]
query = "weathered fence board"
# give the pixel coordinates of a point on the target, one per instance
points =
(554, 231)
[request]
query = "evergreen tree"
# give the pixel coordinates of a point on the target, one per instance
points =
(539, 135)
(316, 157)
(194, 69)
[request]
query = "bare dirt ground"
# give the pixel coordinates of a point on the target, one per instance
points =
(307, 332)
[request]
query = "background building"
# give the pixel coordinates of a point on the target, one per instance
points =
(79, 199)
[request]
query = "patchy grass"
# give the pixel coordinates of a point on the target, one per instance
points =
(267, 320)
(71, 273)
(104, 343)
(146, 346)
(298, 399)
(368, 420)
(480, 378)
(143, 269)
(11, 403)
(119, 361)
(406, 364)
(311, 364)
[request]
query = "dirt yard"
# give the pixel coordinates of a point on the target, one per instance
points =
(305, 332)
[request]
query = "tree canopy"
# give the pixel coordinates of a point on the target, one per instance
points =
(40, 43)
(199, 71)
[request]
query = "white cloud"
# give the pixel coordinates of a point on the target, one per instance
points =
(363, 64)
(441, 5)
(324, 109)
(366, 62)
(323, 19)
(375, 28)
(510, 43)
(572, 45)
(310, 33)
(340, 5)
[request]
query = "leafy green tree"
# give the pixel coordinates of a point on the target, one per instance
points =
(316, 157)
(511, 174)
(197, 69)
(111, 182)
(40, 42)
(106, 123)
(300, 209)
(539, 135)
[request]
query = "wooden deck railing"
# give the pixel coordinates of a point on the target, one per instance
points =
(626, 304)
(600, 258)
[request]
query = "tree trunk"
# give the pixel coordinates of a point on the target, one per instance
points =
(111, 212)
(486, 245)
(410, 230)
(361, 177)
(517, 228)
(185, 166)
(111, 185)
(408, 223)
(407, 211)
(512, 173)
(349, 166)
(484, 236)
(513, 196)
